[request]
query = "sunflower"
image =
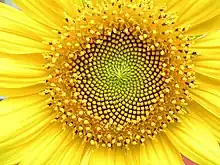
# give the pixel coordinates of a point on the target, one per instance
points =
(110, 82)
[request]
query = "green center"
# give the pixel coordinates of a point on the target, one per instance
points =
(119, 79)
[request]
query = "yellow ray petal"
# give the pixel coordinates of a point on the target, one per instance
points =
(64, 154)
(161, 151)
(211, 25)
(34, 60)
(21, 75)
(211, 121)
(99, 156)
(24, 91)
(86, 156)
(79, 147)
(42, 148)
(208, 63)
(120, 157)
(207, 41)
(24, 118)
(22, 66)
(144, 159)
(46, 12)
(15, 67)
(12, 156)
(195, 141)
(15, 44)
(55, 146)
(212, 72)
(197, 13)
(207, 94)
(133, 155)
(16, 22)
(69, 6)
(208, 100)
(19, 82)
(17, 71)
(14, 107)
(26, 131)
(107, 156)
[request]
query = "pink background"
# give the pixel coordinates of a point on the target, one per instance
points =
(188, 162)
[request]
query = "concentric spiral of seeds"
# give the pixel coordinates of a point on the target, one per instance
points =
(121, 80)
(119, 73)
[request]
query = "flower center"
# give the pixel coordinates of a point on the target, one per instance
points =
(119, 73)
(119, 79)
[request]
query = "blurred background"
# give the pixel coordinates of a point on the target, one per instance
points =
(8, 2)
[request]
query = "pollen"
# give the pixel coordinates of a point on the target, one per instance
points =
(120, 73)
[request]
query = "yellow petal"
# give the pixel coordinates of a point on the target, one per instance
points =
(69, 6)
(120, 157)
(100, 156)
(197, 13)
(12, 108)
(55, 146)
(210, 120)
(16, 22)
(86, 157)
(202, 27)
(208, 63)
(108, 156)
(207, 94)
(12, 156)
(207, 41)
(46, 12)
(208, 100)
(209, 68)
(15, 44)
(24, 118)
(24, 91)
(66, 156)
(22, 66)
(43, 147)
(117, 155)
(161, 151)
(18, 71)
(133, 156)
(195, 141)
(76, 146)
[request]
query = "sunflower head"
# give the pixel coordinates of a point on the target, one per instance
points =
(126, 82)
(120, 72)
